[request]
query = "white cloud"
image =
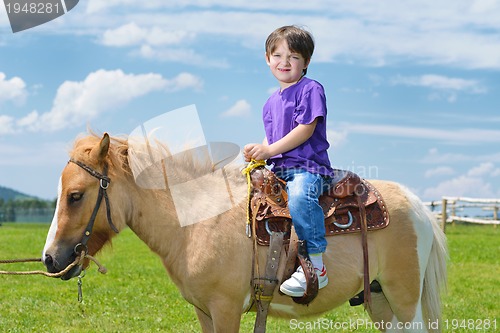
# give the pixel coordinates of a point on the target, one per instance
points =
(18, 154)
(131, 34)
(449, 34)
(28, 120)
(336, 138)
(461, 186)
(101, 91)
(440, 82)
(462, 34)
(184, 81)
(97, 7)
(13, 89)
(443, 87)
(434, 156)
(159, 43)
(464, 136)
(484, 169)
(126, 35)
(439, 172)
(180, 55)
(6, 125)
(476, 182)
(240, 109)
(77, 102)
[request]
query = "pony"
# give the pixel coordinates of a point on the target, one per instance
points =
(211, 261)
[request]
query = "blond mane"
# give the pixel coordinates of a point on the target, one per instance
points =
(189, 178)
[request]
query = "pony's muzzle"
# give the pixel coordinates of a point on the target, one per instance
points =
(49, 262)
(56, 264)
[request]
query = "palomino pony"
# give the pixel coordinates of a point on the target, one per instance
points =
(211, 261)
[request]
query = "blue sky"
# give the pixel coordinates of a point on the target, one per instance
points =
(413, 87)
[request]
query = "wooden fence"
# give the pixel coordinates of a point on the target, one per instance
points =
(451, 206)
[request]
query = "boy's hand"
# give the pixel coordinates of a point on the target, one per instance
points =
(293, 139)
(256, 151)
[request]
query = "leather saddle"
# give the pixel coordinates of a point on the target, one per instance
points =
(269, 211)
(350, 205)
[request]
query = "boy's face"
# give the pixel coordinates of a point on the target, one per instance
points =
(286, 66)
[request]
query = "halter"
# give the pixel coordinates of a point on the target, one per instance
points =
(103, 186)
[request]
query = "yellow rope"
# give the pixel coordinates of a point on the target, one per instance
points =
(246, 171)
(262, 298)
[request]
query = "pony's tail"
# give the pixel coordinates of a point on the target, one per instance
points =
(435, 276)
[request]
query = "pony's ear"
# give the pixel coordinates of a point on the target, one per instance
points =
(101, 151)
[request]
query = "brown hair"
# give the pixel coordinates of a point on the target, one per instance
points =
(298, 39)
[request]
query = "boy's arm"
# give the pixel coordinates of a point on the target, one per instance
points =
(295, 138)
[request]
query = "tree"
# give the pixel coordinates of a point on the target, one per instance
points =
(10, 211)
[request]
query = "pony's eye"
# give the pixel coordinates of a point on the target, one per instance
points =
(74, 197)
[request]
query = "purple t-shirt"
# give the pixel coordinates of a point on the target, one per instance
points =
(300, 103)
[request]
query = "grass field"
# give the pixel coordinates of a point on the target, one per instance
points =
(137, 296)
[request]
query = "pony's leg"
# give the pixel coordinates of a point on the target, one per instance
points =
(380, 311)
(423, 225)
(207, 325)
(405, 304)
(401, 321)
(417, 325)
(401, 272)
(224, 317)
(384, 319)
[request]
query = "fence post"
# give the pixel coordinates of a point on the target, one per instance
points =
(443, 214)
(453, 212)
(495, 215)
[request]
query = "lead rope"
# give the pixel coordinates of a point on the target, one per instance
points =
(78, 261)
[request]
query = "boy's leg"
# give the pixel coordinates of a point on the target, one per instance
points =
(304, 189)
(307, 215)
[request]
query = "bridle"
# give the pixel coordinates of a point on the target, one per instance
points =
(103, 186)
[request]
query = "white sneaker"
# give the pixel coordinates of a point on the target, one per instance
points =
(295, 286)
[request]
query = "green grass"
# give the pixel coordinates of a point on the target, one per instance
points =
(137, 296)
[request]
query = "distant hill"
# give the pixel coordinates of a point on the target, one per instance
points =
(19, 207)
(10, 194)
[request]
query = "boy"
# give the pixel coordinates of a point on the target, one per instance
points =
(296, 144)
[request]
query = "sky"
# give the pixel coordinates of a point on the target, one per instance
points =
(413, 87)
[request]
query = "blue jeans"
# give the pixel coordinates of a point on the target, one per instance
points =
(304, 189)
